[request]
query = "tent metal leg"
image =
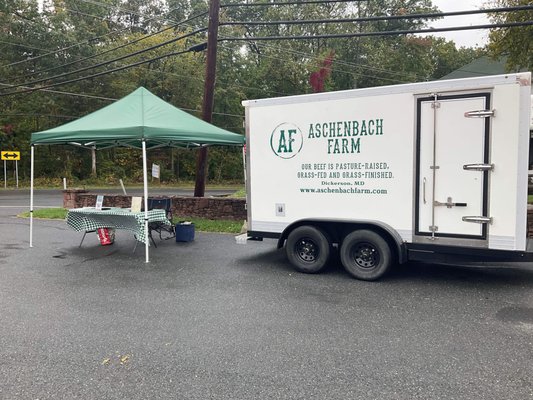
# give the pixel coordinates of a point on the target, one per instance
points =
(145, 184)
(31, 193)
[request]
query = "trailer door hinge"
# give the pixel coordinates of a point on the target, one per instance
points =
(480, 114)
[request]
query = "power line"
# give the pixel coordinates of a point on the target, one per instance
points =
(21, 45)
(271, 57)
(347, 72)
(38, 115)
(341, 62)
(126, 11)
(116, 47)
(382, 33)
(271, 38)
(382, 18)
(103, 98)
(288, 3)
(233, 85)
(101, 73)
(69, 93)
(97, 37)
(110, 61)
(62, 49)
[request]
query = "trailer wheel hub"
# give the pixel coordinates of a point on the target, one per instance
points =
(307, 250)
(366, 255)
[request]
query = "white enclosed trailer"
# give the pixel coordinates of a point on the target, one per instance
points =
(427, 171)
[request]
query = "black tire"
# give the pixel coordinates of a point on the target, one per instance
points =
(365, 255)
(308, 249)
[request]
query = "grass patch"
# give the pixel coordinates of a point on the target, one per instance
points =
(201, 224)
(210, 225)
(530, 198)
(46, 213)
(241, 193)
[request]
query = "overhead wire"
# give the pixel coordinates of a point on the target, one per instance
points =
(184, 22)
(59, 116)
(123, 10)
(309, 56)
(100, 73)
(341, 71)
(116, 47)
(97, 37)
(69, 93)
(382, 33)
(63, 49)
(21, 45)
(378, 18)
(385, 33)
(287, 3)
(337, 61)
(379, 33)
(110, 61)
(381, 17)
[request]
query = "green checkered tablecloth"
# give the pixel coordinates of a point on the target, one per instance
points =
(89, 219)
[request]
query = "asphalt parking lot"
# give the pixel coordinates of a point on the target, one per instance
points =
(213, 319)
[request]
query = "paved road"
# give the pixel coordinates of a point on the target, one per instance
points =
(45, 198)
(215, 320)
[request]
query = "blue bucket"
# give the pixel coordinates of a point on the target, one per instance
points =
(184, 232)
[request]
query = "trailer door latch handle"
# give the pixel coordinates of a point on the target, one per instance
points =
(449, 203)
(478, 167)
(480, 114)
(478, 219)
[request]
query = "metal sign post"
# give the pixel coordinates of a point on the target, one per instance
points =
(10, 156)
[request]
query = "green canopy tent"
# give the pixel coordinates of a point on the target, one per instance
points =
(139, 120)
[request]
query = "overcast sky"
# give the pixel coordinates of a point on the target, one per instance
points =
(469, 38)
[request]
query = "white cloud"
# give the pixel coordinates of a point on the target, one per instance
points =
(468, 38)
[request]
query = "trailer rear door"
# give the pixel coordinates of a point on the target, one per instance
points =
(453, 166)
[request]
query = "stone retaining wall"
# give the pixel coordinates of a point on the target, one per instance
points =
(204, 207)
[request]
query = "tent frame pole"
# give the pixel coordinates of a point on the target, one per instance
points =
(31, 193)
(145, 182)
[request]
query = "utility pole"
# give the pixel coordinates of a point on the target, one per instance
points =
(209, 92)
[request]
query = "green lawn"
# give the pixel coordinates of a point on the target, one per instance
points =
(46, 213)
(201, 224)
(209, 225)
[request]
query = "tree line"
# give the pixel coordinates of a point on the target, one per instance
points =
(46, 45)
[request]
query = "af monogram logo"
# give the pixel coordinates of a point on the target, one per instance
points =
(286, 140)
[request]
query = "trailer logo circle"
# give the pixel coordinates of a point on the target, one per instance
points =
(286, 140)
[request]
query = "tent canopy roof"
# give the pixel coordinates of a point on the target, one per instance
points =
(137, 116)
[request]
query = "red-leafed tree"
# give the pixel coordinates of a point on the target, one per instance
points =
(318, 78)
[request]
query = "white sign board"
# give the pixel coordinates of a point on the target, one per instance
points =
(155, 171)
(99, 202)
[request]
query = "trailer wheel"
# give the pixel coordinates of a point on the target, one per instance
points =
(307, 249)
(365, 255)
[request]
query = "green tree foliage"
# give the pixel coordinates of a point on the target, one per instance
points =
(516, 44)
(53, 43)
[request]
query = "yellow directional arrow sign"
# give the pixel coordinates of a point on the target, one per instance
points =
(11, 155)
